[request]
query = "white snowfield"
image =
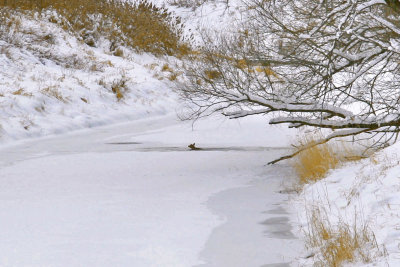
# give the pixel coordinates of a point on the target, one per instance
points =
(133, 194)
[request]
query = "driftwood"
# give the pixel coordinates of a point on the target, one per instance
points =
(193, 147)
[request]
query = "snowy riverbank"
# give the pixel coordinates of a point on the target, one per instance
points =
(363, 196)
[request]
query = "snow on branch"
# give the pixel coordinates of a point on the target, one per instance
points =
(370, 4)
(283, 105)
(348, 123)
(337, 134)
(330, 64)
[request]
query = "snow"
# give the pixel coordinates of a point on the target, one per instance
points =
(63, 85)
(284, 105)
(369, 4)
(363, 193)
(51, 82)
(133, 194)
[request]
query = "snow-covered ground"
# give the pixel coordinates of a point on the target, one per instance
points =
(133, 194)
(51, 82)
(362, 193)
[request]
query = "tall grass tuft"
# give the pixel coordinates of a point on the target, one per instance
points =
(141, 24)
(313, 164)
(341, 243)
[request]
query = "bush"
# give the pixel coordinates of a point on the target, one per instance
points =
(141, 25)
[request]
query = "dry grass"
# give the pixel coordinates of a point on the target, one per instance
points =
(52, 91)
(341, 243)
(212, 74)
(21, 92)
(166, 67)
(118, 87)
(314, 163)
(173, 76)
(141, 25)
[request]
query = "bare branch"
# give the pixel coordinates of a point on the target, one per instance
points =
(324, 64)
(343, 133)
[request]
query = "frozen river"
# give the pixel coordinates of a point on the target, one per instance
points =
(133, 194)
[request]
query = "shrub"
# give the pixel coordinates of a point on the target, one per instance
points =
(141, 25)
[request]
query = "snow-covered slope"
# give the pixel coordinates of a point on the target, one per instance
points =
(359, 194)
(50, 82)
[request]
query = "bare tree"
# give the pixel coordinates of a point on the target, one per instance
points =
(325, 64)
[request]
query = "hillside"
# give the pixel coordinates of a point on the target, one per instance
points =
(52, 81)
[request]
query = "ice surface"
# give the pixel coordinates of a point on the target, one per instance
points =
(77, 200)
